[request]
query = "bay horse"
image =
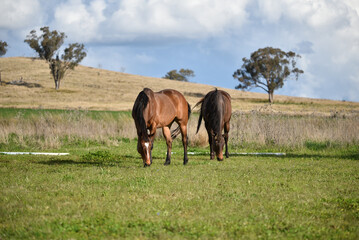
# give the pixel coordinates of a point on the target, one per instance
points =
(216, 111)
(153, 110)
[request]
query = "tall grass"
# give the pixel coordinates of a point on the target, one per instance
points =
(256, 129)
(293, 131)
(44, 129)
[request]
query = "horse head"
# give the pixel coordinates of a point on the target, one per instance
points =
(218, 146)
(144, 146)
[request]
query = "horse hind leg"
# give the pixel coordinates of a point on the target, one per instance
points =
(167, 134)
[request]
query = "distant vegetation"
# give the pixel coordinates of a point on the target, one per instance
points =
(182, 75)
(47, 45)
(267, 69)
(3, 48)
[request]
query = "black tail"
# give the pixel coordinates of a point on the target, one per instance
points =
(199, 122)
(200, 114)
(177, 131)
(137, 114)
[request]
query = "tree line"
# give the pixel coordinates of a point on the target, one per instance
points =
(267, 68)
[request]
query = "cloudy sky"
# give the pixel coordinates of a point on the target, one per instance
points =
(152, 37)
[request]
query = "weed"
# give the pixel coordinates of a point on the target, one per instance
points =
(98, 156)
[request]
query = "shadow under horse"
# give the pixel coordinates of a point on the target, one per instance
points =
(216, 111)
(153, 110)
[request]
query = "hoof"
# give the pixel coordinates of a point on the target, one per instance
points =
(185, 162)
(167, 163)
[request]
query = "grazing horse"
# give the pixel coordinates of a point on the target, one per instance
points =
(153, 110)
(216, 111)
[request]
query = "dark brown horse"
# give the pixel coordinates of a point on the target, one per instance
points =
(153, 110)
(216, 111)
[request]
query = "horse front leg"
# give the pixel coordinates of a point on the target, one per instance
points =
(167, 134)
(184, 142)
(226, 130)
(211, 142)
(152, 139)
(151, 134)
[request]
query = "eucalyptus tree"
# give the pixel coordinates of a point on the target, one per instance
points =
(47, 46)
(267, 68)
(182, 75)
(3, 48)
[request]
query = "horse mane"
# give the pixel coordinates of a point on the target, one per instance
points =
(212, 110)
(137, 114)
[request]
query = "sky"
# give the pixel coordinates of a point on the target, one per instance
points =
(210, 37)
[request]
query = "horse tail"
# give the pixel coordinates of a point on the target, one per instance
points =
(177, 131)
(137, 113)
(200, 114)
(199, 122)
(189, 110)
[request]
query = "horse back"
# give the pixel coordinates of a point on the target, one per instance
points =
(171, 104)
(216, 108)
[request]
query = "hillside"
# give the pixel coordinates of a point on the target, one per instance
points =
(98, 89)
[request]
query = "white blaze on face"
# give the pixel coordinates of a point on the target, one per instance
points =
(147, 145)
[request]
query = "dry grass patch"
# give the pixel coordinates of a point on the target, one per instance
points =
(98, 89)
(43, 129)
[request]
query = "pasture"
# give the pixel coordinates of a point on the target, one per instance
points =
(101, 190)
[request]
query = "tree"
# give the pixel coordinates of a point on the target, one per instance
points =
(3, 48)
(182, 75)
(268, 68)
(47, 46)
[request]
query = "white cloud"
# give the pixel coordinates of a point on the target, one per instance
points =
(80, 21)
(324, 32)
(192, 19)
(20, 14)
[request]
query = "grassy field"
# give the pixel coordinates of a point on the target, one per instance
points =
(107, 194)
(101, 190)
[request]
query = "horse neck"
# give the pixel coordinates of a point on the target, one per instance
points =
(142, 102)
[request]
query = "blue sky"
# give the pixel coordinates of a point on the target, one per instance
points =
(152, 37)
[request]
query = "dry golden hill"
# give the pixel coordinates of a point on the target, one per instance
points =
(98, 89)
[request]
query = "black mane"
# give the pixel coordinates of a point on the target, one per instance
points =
(137, 114)
(212, 111)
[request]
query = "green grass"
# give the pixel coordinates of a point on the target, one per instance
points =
(101, 190)
(8, 113)
(105, 193)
